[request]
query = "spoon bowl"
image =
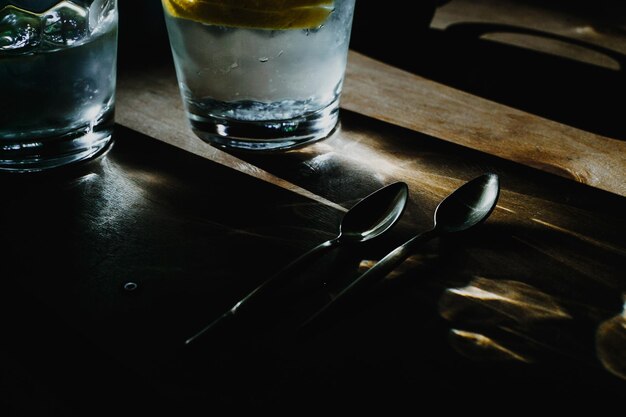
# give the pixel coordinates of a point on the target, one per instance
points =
(469, 205)
(369, 218)
(374, 215)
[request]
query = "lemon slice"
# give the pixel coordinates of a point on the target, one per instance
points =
(254, 14)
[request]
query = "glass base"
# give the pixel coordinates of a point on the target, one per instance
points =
(48, 152)
(266, 135)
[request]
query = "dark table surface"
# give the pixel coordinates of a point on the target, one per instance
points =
(108, 266)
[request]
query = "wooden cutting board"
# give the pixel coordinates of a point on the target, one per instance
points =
(395, 96)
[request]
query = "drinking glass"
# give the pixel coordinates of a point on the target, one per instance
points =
(260, 74)
(57, 81)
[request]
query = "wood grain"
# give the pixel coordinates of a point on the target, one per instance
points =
(395, 96)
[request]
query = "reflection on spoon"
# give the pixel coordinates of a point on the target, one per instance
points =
(611, 344)
(369, 218)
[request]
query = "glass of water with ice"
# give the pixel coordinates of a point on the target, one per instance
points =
(57, 81)
(260, 75)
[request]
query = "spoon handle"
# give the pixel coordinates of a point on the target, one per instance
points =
(278, 278)
(377, 272)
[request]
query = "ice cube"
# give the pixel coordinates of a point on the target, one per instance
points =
(65, 24)
(19, 30)
(98, 11)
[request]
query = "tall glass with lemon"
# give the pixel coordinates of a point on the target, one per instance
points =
(260, 74)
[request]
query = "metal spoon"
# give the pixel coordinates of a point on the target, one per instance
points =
(367, 219)
(465, 208)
